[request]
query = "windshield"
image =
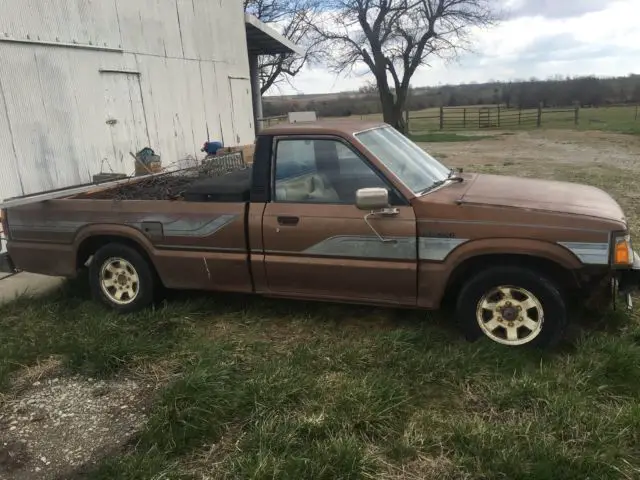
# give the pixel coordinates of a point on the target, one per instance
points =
(412, 165)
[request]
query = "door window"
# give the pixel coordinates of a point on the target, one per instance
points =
(321, 171)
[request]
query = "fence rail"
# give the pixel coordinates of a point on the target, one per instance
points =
(461, 118)
(618, 117)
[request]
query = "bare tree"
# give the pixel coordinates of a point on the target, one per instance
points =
(394, 37)
(292, 18)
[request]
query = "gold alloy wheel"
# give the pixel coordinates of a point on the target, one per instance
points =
(510, 315)
(119, 281)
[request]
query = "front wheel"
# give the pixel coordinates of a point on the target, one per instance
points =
(512, 306)
(121, 278)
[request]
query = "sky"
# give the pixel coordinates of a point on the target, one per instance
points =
(536, 38)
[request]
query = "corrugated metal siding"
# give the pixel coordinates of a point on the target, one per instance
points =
(212, 106)
(10, 184)
(40, 120)
(150, 27)
(54, 102)
(68, 21)
(242, 110)
(178, 127)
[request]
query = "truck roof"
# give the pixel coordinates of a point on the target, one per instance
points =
(333, 126)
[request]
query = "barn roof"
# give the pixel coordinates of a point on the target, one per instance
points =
(264, 40)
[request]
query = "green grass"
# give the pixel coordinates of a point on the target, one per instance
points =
(289, 390)
(447, 137)
(275, 389)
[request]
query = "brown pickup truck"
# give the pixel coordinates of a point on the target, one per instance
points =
(346, 212)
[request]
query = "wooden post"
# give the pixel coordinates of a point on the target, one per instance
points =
(406, 120)
(576, 119)
(539, 114)
(464, 117)
(498, 116)
(520, 116)
(636, 119)
(441, 117)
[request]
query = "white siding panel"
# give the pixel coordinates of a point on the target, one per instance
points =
(189, 28)
(162, 105)
(150, 27)
(124, 111)
(10, 185)
(29, 118)
(215, 30)
(224, 100)
(242, 110)
(145, 66)
(67, 21)
(57, 114)
(211, 103)
(177, 107)
(93, 133)
(195, 106)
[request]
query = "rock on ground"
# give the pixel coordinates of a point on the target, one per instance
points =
(54, 426)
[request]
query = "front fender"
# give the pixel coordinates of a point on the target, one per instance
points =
(513, 246)
(434, 276)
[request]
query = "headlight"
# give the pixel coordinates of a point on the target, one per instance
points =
(622, 251)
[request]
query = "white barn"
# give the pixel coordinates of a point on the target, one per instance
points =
(85, 82)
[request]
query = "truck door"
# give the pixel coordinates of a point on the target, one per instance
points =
(317, 243)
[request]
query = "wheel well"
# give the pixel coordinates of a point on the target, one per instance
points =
(565, 278)
(91, 245)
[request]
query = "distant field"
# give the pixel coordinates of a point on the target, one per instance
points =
(614, 119)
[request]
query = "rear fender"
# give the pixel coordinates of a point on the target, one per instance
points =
(122, 231)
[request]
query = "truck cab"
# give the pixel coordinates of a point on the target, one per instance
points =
(347, 212)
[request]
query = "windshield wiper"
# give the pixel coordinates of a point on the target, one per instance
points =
(452, 177)
(434, 185)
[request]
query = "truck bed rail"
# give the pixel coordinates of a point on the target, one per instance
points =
(157, 186)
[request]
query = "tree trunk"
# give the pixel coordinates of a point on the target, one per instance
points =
(392, 111)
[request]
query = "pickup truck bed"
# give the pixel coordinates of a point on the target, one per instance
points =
(167, 209)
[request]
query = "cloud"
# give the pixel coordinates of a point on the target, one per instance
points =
(594, 41)
(554, 8)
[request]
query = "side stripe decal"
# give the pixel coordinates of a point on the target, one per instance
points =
(589, 253)
(365, 246)
(433, 248)
(403, 248)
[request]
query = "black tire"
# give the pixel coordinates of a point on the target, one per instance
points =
(146, 285)
(554, 311)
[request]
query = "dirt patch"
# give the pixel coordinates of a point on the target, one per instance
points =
(547, 146)
(57, 425)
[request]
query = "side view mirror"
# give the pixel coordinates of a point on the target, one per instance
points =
(372, 199)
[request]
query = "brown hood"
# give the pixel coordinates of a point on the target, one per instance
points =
(542, 195)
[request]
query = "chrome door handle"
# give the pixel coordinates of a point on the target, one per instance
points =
(288, 221)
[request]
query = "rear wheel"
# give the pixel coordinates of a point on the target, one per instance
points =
(512, 306)
(121, 278)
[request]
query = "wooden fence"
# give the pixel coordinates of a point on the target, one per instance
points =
(478, 118)
(624, 117)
